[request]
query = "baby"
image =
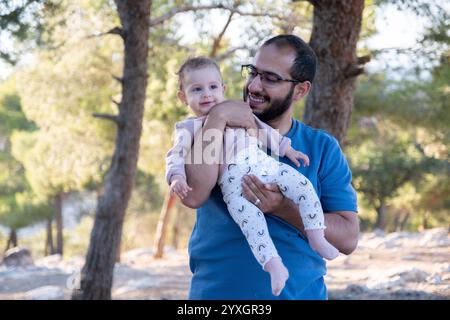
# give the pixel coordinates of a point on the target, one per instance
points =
(201, 88)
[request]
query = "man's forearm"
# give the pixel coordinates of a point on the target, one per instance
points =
(342, 227)
(202, 172)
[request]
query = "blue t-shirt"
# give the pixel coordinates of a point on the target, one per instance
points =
(221, 261)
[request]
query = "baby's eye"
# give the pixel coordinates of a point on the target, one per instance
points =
(214, 86)
(196, 89)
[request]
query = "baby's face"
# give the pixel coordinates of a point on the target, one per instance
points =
(202, 89)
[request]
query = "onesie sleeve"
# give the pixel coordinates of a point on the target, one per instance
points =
(183, 138)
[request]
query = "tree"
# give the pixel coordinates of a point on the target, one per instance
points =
(97, 273)
(336, 28)
(21, 24)
(22, 210)
(70, 151)
(19, 206)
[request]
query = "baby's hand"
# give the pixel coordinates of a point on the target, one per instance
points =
(179, 186)
(293, 155)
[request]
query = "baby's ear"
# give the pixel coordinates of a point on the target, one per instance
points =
(182, 96)
(224, 86)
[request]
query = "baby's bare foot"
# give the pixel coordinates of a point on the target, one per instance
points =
(278, 274)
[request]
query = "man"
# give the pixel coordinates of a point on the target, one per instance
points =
(222, 264)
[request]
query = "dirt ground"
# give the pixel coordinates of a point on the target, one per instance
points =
(393, 266)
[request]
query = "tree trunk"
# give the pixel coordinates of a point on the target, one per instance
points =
(12, 240)
(163, 222)
(118, 249)
(49, 247)
(336, 27)
(381, 216)
(97, 273)
(426, 216)
(396, 223)
(58, 203)
(404, 222)
(178, 221)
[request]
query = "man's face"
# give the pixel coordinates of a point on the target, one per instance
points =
(270, 100)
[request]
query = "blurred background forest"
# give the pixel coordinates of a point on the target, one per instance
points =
(59, 66)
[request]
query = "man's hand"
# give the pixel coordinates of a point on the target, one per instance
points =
(271, 200)
(235, 113)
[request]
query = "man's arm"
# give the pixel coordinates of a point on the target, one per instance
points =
(342, 227)
(202, 175)
(201, 172)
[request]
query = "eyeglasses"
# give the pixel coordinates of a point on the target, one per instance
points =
(249, 72)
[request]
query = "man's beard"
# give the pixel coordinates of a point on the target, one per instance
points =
(276, 108)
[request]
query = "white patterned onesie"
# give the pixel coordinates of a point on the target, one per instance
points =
(250, 219)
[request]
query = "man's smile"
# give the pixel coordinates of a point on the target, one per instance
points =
(256, 99)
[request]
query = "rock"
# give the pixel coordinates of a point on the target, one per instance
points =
(437, 237)
(410, 257)
(414, 275)
(434, 279)
(45, 293)
(52, 261)
(356, 289)
(379, 232)
(442, 267)
(385, 284)
(18, 257)
(138, 284)
(136, 254)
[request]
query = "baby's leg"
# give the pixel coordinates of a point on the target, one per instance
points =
(254, 227)
(299, 189)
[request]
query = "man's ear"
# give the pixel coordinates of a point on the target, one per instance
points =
(301, 90)
(182, 96)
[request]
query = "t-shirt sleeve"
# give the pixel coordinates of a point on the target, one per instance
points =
(335, 179)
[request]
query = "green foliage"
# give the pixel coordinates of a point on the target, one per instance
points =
(71, 149)
(19, 207)
(22, 209)
(398, 146)
(21, 24)
(384, 164)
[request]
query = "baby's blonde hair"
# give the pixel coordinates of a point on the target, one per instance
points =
(194, 64)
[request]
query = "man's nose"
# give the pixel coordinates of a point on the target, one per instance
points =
(255, 83)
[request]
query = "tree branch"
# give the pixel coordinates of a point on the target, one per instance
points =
(358, 68)
(313, 2)
(218, 39)
(228, 53)
(364, 59)
(117, 103)
(111, 117)
(353, 71)
(174, 11)
(116, 30)
(118, 79)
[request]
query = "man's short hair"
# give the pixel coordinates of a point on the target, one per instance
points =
(304, 67)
